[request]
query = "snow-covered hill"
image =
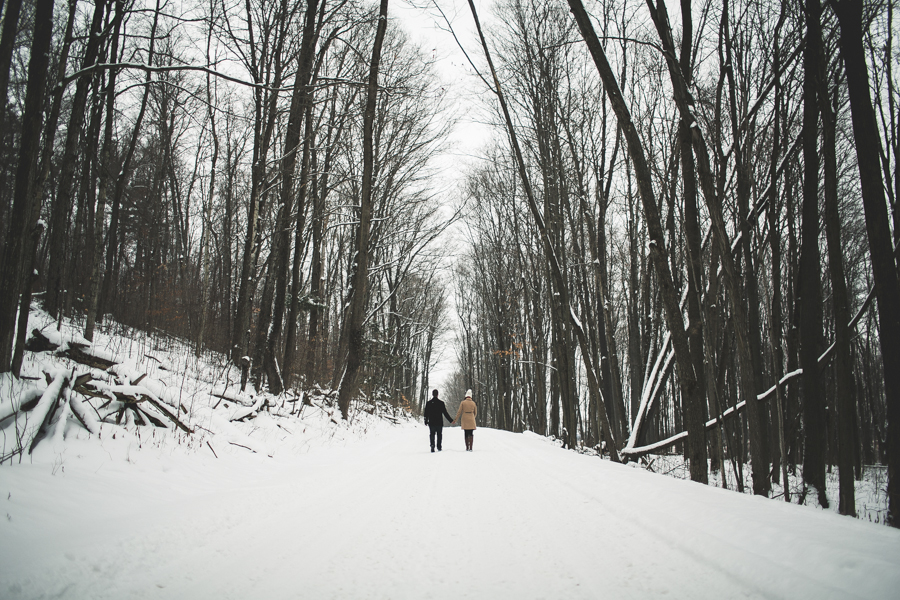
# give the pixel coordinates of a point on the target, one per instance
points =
(154, 391)
(292, 502)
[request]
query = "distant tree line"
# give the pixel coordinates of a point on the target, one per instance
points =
(229, 173)
(685, 235)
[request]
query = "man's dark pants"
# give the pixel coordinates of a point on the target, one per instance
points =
(436, 430)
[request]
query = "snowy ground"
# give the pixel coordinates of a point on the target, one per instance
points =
(293, 502)
(385, 518)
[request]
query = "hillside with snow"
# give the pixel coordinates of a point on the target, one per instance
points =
(157, 478)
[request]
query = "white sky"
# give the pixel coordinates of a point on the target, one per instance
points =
(423, 22)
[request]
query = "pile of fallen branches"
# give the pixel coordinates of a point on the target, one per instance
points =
(36, 414)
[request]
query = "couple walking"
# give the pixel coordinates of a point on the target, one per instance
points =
(436, 410)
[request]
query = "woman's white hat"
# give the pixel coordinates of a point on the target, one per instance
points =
(468, 393)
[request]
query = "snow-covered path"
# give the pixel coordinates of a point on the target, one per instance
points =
(385, 518)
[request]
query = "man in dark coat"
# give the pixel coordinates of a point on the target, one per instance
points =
(435, 411)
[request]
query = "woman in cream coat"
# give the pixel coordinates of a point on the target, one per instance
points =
(466, 416)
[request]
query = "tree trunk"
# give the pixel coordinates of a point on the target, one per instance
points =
(353, 327)
(13, 277)
(95, 239)
(845, 401)
(694, 258)
(266, 100)
(300, 101)
(750, 287)
(7, 44)
(810, 290)
(713, 201)
(775, 320)
(63, 200)
(103, 303)
(687, 379)
(207, 208)
(884, 268)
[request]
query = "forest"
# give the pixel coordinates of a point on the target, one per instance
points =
(680, 237)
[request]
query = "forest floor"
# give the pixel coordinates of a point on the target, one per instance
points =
(293, 503)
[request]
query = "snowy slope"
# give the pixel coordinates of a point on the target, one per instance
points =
(382, 517)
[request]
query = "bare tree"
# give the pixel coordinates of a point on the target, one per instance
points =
(352, 334)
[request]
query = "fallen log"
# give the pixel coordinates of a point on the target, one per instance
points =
(42, 414)
(165, 411)
(75, 352)
(671, 441)
(131, 401)
(38, 342)
(56, 392)
(86, 418)
(24, 403)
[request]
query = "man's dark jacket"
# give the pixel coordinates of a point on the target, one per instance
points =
(434, 408)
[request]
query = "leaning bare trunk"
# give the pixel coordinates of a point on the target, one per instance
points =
(884, 269)
(684, 101)
(687, 379)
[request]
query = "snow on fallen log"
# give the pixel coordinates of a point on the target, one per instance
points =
(651, 387)
(246, 411)
(785, 379)
(83, 414)
(149, 412)
(132, 396)
(45, 409)
(650, 448)
(49, 338)
(65, 410)
(160, 392)
(670, 441)
(29, 425)
(25, 401)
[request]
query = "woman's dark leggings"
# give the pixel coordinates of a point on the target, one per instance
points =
(469, 437)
